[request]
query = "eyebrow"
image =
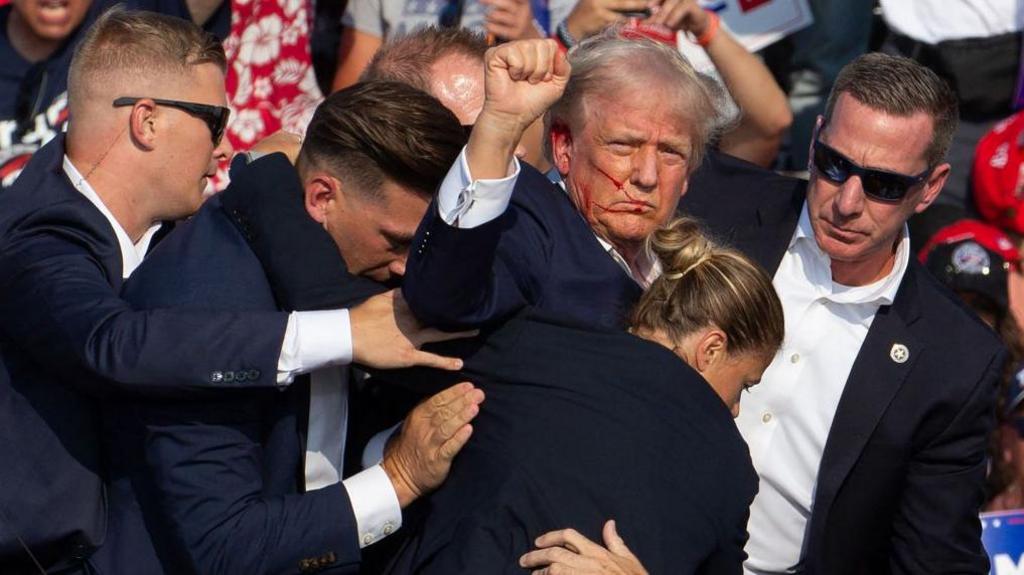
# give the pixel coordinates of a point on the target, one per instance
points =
(399, 237)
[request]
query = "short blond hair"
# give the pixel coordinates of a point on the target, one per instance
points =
(139, 44)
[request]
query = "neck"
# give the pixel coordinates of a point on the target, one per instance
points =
(28, 44)
(630, 251)
(115, 190)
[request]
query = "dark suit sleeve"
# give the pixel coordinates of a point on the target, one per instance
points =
(936, 529)
(728, 559)
(206, 459)
(459, 278)
(60, 308)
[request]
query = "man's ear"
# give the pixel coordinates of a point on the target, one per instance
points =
(561, 147)
(710, 349)
(323, 195)
(936, 181)
(143, 123)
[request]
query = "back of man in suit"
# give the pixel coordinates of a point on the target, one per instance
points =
(870, 426)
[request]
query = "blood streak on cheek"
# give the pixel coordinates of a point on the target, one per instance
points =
(621, 186)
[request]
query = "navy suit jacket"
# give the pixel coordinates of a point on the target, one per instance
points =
(66, 334)
(540, 253)
(901, 479)
(217, 486)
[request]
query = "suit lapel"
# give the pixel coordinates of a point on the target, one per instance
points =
(767, 239)
(886, 357)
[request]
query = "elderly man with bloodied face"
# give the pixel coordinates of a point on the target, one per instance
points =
(629, 128)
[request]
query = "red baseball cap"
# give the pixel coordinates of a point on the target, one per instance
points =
(998, 185)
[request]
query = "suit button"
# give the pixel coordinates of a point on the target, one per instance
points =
(305, 565)
(217, 376)
(229, 376)
(241, 376)
(253, 374)
(331, 557)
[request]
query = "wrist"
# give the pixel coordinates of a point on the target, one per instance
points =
(704, 35)
(404, 490)
(492, 144)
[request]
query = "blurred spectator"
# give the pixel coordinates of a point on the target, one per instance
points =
(448, 63)
(271, 83)
(36, 44)
(997, 190)
(975, 47)
(840, 33)
(765, 112)
(1006, 476)
(368, 23)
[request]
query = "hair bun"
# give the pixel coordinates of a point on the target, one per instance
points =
(680, 246)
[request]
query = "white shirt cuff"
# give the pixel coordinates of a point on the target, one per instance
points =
(314, 339)
(374, 504)
(465, 203)
(373, 453)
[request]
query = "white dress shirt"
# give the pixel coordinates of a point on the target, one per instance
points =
(315, 341)
(932, 21)
(467, 203)
(786, 419)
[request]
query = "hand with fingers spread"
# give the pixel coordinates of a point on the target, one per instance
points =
(522, 79)
(684, 15)
(566, 552)
(386, 335)
(418, 460)
(510, 19)
(589, 17)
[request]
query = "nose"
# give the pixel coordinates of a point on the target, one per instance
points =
(397, 267)
(224, 150)
(645, 168)
(849, 201)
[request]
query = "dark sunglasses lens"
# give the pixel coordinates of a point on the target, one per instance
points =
(885, 187)
(830, 165)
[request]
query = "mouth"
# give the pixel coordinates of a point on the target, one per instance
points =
(841, 233)
(631, 207)
(53, 12)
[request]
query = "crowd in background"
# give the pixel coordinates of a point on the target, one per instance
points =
(283, 57)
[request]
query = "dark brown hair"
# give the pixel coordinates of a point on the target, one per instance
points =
(703, 285)
(142, 44)
(900, 87)
(374, 131)
(409, 58)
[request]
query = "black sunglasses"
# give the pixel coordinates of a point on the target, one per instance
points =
(878, 184)
(216, 117)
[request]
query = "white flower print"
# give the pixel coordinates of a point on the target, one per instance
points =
(247, 125)
(261, 43)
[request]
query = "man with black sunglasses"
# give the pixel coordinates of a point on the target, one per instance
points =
(148, 107)
(869, 429)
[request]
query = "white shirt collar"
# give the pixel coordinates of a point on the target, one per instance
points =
(131, 253)
(881, 292)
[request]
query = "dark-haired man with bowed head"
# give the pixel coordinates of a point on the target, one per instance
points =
(147, 116)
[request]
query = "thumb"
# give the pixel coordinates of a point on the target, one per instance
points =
(561, 66)
(613, 542)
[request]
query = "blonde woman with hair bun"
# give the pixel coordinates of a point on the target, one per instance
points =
(713, 307)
